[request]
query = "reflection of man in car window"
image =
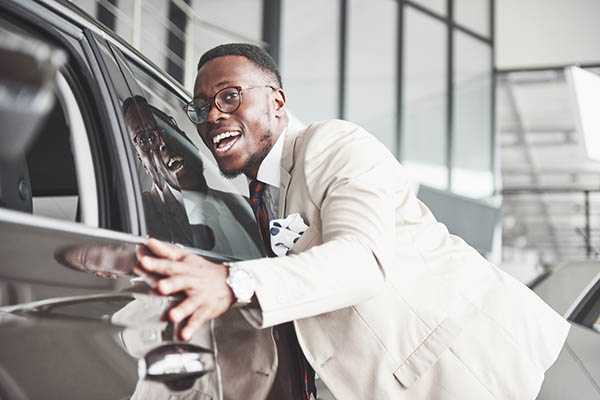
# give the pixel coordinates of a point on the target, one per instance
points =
(227, 215)
(214, 220)
(165, 214)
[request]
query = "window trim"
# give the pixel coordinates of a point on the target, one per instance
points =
(82, 154)
(586, 302)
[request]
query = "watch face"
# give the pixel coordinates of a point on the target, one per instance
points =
(242, 284)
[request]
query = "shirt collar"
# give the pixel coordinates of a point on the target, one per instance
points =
(269, 171)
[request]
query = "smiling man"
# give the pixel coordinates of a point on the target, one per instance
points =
(239, 142)
(375, 296)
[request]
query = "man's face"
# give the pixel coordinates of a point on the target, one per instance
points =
(253, 128)
(157, 161)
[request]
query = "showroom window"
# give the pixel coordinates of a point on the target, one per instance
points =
(425, 99)
(474, 15)
(371, 87)
(447, 91)
(309, 58)
(472, 147)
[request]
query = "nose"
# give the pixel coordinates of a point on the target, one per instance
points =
(215, 115)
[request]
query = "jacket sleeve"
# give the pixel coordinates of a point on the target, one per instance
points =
(351, 178)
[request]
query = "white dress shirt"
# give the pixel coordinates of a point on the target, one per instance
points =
(269, 172)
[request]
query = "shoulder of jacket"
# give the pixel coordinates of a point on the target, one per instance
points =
(331, 134)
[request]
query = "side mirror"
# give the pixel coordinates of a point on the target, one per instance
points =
(27, 75)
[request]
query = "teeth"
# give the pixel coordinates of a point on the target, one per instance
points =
(226, 147)
(174, 159)
(224, 135)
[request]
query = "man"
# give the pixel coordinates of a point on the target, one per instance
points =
(384, 302)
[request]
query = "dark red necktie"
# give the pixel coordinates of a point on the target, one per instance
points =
(257, 188)
(288, 348)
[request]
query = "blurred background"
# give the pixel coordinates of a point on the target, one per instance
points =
(472, 96)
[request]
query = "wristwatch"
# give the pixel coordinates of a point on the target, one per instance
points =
(242, 284)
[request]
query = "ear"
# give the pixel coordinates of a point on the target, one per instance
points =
(279, 101)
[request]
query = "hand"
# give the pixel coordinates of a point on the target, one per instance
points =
(203, 282)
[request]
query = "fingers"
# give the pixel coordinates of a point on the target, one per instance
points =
(163, 266)
(141, 251)
(148, 277)
(165, 250)
(183, 309)
(175, 284)
(195, 322)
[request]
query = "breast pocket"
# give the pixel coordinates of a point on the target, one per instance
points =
(311, 237)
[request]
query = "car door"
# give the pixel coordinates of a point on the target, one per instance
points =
(75, 202)
(63, 194)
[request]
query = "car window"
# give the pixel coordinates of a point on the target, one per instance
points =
(587, 311)
(177, 172)
(54, 175)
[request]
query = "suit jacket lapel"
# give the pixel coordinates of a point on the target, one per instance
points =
(287, 163)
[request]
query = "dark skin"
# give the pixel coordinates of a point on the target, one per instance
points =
(260, 119)
(155, 161)
(138, 123)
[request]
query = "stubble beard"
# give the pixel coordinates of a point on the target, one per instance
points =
(254, 159)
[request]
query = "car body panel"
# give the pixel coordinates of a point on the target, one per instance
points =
(576, 373)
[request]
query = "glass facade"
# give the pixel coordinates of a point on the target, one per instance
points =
(425, 99)
(472, 173)
(437, 6)
(309, 62)
(371, 87)
(223, 21)
(473, 15)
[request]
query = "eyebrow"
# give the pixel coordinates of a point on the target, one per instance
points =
(218, 85)
(223, 83)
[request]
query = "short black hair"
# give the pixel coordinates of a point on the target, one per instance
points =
(256, 54)
(133, 101)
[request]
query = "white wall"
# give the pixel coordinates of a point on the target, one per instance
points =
(531, 33)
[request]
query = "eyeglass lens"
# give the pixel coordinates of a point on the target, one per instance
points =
(147, 140)
(227, 100)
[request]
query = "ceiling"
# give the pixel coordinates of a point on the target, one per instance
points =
(545, 170)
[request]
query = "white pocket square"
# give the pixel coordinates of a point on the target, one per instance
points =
(285, 232)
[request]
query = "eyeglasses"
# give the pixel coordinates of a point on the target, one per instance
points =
(148, 140)
(227, 100)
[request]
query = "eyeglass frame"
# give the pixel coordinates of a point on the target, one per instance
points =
(212, 100)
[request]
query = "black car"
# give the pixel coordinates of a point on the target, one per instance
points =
(96, 153)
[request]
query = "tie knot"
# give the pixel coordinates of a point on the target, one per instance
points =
(256, 188)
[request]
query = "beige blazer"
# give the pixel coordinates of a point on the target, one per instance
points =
(386, 303)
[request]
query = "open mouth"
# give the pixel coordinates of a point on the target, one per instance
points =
(225, 141)
(175, 164)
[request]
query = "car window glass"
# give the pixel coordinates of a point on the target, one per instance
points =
(587, 312)
(49, 176)
(180, 171)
